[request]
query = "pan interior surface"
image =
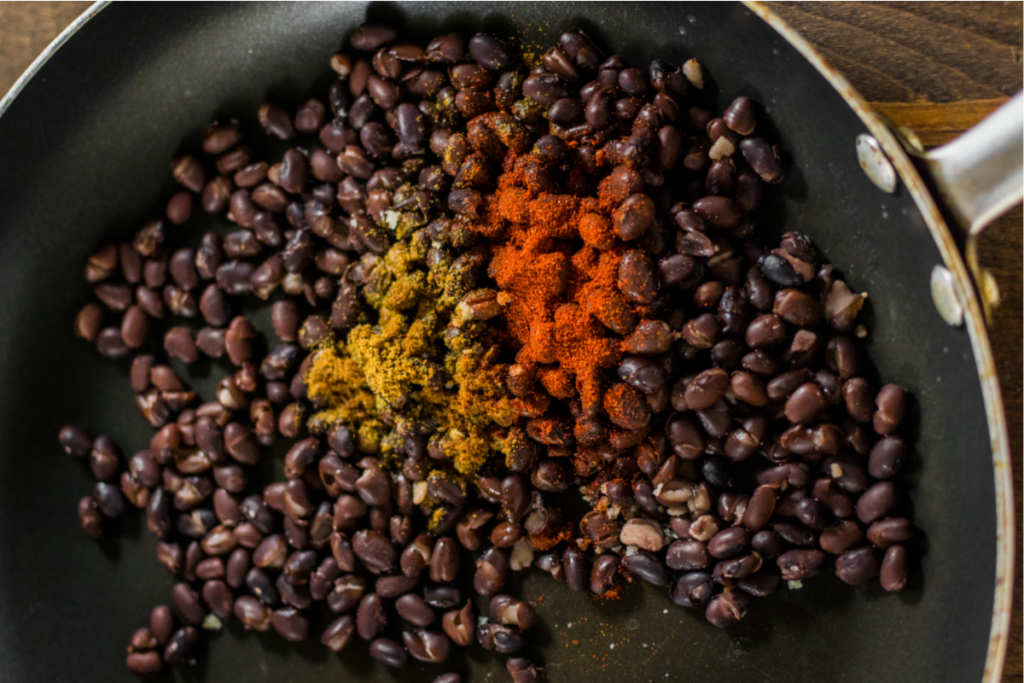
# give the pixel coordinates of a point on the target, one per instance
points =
(84, 153)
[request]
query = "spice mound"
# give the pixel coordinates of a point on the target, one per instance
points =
(495, 292)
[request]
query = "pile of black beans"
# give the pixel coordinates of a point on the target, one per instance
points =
(777, 455)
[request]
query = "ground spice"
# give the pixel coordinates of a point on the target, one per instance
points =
(560, 299)
(396, 368)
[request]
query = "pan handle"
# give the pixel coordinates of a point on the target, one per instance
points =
(978, 177)
(981, 174)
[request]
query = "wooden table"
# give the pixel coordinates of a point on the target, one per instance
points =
(936, 67)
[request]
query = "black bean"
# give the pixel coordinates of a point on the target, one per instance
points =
(310, 117)
(216, 195)
(686, 438)
(235, 277)
(427, 646)
(647, 567)
(161, 624)
(887, 532)
(692, 590)
(252, 613)
(374, 485)
(294, 171)
(581, 48)
(170, 555)
(797, 565)
(116, 297)
(720, 212)
(194, 523)
(370, 619)
(375, 550)
(544, 89)
(812, 513)
(75, 440)
(234, 159)
(805, 403)
(727, 609)
(413, 609)
(491, 573)
(188, 171)
(577, 572)
(763, 157)
(520, 669)
(460, 625)
(88, 321)
(220, 137)
(236, 567)
(214, 306)
(490, 52)
(276, 121)
(296, 503)
(290, 624)
(876, 502)
(503, 639)
(181, 647)
(339, 633)
(887, 457)
(749, 190)
(218, 598)
(796, 533)
(241, 444)
(186, 600)
(728, 543)
(109, 500)
(841, 536)
(347, 592)
(600, 107)
(687, 555)
(740, 116)
(797, 307)
(144, 663)
(894, 568)
(514, 497)
(636, 278)
(649, 337)
(643, 374)
(892, 403)
(566, 111)
(859, 399)
(368, 37)
(444, 561)
(602, 574)
(89, 517)
(858, 566)
(299, 566)
(767, 543)
(395, 585)
(389, 652)
(706, 389)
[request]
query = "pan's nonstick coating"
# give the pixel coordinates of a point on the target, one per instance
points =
(84, 156)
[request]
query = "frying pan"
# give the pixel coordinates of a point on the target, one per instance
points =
(83, 159)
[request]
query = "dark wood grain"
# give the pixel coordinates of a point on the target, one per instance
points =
(937, 67)
(26, 28)
(909, 52)
(936, 124)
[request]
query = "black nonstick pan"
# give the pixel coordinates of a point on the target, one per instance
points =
(84, 145)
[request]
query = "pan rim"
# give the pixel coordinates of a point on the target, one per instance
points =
(974, 320)
(50, 50)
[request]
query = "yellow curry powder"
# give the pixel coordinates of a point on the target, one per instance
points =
(404, 365)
